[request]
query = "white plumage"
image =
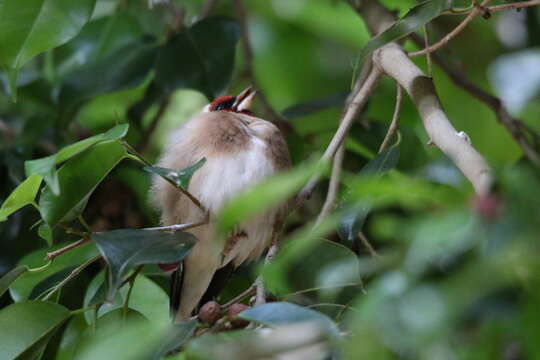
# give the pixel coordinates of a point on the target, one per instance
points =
(241, 150)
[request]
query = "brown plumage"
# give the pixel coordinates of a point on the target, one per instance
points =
(241, 150)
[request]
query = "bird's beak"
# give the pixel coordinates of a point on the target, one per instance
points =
(244, 99)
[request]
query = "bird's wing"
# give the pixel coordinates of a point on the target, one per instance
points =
(276, 145)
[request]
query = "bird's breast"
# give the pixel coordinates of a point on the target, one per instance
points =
(225, 174)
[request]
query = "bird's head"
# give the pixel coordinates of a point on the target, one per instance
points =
(237, 104)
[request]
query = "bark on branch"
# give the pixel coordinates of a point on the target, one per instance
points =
(393, 61)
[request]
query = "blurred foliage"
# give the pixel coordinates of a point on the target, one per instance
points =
(451, 275)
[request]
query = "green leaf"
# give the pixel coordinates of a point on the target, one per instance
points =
(46, 166)
(180, 178)
(23, 195)
(352, 221)
(268, 194)
(147, 297)
(313, 270)
(418, 16)
(67, 350)
(21, 289)
(281, 313)
(298, 244)
(124, 68)
(98, 38)
(201, 57)
(11, 276)
(39, 25)
(77, 180)
(119, 337)
(24, 324)
(127, 248)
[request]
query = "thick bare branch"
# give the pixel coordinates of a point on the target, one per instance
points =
(394, 61)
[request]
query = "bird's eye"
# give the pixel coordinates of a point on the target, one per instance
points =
(224, 104)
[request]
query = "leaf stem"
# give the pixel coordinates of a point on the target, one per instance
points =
(74, 273)
(51, 255)
(131, 281)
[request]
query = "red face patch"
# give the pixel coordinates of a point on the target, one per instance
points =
(222, 103)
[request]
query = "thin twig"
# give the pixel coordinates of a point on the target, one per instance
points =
(516, 5)
(367, 245)
(352, 110)
(392, 129)
(173, 228)
(51, 255)
(512, 124)
(333, 187)
(74, 273)
(178, 227)
(131, 280)
(426, 44)
(452, 34)
(249, 291)
(337, 163)
(495, 8)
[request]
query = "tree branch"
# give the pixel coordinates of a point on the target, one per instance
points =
(392, 60)
(352, 110)
(512, 124)
(395, 62)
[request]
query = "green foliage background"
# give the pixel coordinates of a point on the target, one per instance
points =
(85, 82)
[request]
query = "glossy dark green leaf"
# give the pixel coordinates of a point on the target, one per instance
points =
(355, 214)
(39, 25)
(11, 276)
(21, 289)
(23, 195)
(180, 178)
(46, 166)
(67, 350)
(127, 248)
(418, 16)
(124, 68)
(77, 179)
(24, 324)
(201, 57)
(98, 38)
(281, 313)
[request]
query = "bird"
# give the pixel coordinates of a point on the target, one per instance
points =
(241, 150)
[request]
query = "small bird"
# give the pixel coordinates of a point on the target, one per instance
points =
(241, 150)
